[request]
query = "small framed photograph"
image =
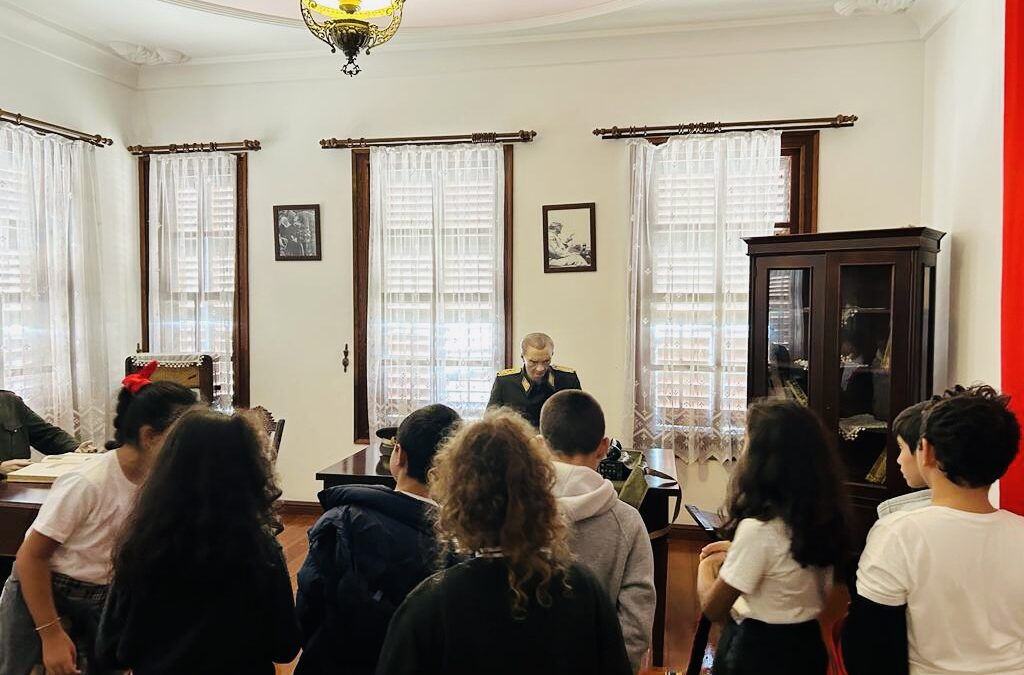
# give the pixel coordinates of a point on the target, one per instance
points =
(570, 238)
(297, 232)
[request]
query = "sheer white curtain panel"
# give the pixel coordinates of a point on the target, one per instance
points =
(694, 199)
(192, 246)
(53, 349)
(435, 304)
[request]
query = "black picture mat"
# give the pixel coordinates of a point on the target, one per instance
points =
(317, 253)
(591, 209)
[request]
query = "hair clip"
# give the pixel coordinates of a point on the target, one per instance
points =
(140, 379)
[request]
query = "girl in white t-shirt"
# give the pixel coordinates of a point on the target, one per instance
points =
(788, 521)
(51, 604)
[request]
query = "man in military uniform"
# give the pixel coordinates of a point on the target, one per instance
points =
(20, 428)
(526, 389)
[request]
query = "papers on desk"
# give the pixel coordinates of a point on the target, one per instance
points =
(50, 468)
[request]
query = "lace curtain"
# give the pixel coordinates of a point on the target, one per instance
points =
(435, 304)
(693, 200)
(192, 232)
(53, 350)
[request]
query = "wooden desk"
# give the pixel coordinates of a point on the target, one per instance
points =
(365, 468)
(19, 504)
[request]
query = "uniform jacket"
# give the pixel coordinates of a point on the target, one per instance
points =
(21, 428)
(366, 552)
(513, 389)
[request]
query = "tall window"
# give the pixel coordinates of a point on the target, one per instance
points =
(194, 263)
(694, 200)
(52, 337)
(433, 256)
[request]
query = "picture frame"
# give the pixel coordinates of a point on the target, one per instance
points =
(570, 238)
(297, 232)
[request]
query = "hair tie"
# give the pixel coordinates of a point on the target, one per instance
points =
(140, 379)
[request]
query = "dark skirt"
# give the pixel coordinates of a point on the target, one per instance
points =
(754, 647)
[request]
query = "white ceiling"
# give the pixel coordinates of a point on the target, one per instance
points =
(204, 29)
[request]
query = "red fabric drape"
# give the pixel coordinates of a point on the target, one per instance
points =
(1012, 485)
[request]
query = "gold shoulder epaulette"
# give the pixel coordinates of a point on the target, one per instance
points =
(508, 371)
(563, 369)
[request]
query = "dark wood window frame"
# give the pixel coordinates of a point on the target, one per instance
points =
(361, 269)
(802, 148)
(240, 361)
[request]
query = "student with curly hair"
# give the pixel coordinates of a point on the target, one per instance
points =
(200, 583)
(788, 524)
(519, 605)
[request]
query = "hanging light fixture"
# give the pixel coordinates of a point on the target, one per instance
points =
(350, 29)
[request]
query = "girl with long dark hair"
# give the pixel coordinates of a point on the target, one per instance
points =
(788, 524)
(51, 604)
(519, 605)
(200, 583)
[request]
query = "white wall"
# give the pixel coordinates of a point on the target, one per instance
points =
(301, 313)
(41, 86)
(962, 189)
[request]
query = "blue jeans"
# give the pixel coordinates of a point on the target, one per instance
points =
(78, 603)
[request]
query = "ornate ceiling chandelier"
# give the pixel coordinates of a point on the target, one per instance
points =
(349, 29)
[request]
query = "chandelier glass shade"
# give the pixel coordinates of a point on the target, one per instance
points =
(350, 29)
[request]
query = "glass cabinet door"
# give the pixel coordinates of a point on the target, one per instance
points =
(789, 334)
(865, 316)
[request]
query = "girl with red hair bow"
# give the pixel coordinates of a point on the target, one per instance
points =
(50, 606)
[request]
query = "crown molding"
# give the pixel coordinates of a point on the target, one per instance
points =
(433, 60)
(141, 55)
(431, 40)
(475, 51)
(608, 7)
(932, 14)
(234, 13)
(443, 40)
(33, 32)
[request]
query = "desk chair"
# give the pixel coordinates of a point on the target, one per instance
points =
(274, 429)
(709, 522)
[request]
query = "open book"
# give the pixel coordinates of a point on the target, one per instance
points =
(50, 468)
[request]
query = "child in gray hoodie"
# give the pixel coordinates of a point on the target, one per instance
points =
(608, 536)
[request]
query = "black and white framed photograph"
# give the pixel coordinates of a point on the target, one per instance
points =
(297, 232)
(570, 238)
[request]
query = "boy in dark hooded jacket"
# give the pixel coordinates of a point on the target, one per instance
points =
(370, 548)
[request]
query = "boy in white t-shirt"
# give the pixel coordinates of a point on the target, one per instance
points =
(939, 589)
(50, 606)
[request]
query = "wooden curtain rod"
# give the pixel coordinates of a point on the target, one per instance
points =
(175, 148)
(837, 122)
(50, 128)
(492, 137)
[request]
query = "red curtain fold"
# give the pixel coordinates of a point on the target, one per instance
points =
(1012, 485)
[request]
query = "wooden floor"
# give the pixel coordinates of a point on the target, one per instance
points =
(680, 618)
